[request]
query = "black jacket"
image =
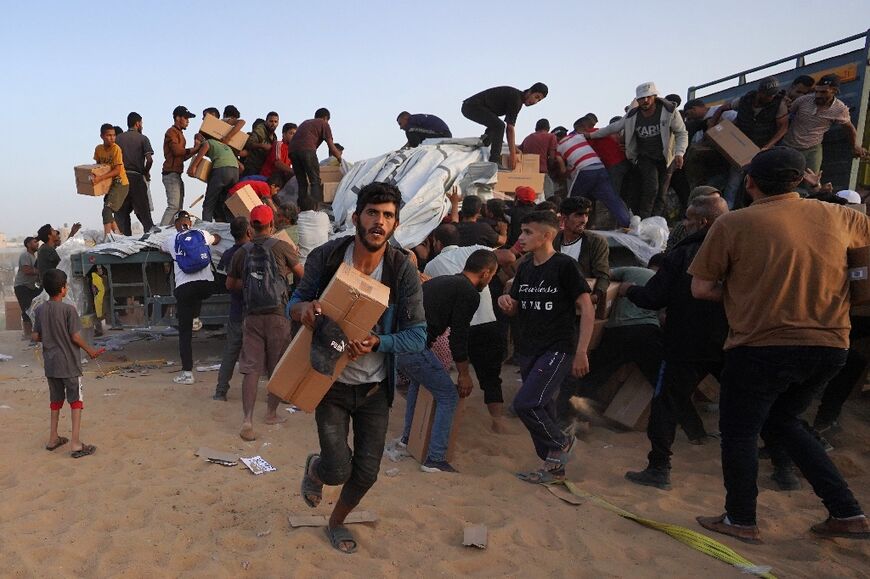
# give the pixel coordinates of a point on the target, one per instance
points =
(695, 330)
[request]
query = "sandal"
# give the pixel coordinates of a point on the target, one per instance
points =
(85, 450)
(309, 487)
(542, 476)
(61, 440)
(339, 535)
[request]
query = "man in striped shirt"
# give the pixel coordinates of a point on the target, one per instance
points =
(587, 175)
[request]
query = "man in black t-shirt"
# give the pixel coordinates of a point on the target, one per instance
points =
(486, 107)
(471, 230)
(544, 295)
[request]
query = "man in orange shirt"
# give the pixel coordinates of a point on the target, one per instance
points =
(109, 153)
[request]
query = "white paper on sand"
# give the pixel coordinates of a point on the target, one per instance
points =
(258, 464)
(4, 357)
(475, 536)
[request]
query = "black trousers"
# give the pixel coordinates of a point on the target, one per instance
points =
(188, 299)
(25, 296)
(840, 387)
(672, 405)
(486, 354)
(494, 127)
(652, 179)
(136, 202)
(307, 170)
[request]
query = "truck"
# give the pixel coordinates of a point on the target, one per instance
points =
(851, 65)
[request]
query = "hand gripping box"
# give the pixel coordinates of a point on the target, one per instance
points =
(84, 185)
(218, 129)
(353, 300)
(243, 201)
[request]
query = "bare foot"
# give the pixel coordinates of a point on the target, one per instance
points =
(499, 426)
(274, 419)
(247, 432)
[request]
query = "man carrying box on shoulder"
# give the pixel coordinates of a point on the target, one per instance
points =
(364, 389)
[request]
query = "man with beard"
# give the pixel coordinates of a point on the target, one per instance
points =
(260, 141)
(813, 116)
(364, 390)
(450, 301)
(175, 153)
(693, 339)
(137, 154)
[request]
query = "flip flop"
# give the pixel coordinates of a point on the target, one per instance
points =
(61, 440)
(339, 535)
(309, 487)
(541, 476)
(86, 450)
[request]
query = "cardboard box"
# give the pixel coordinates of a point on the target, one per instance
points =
(13, 316)
(329, 191)
(218, 129)
(631, 405)
(859, 275)
(331, 174)
(603, 309)
(732, 143)
(421, 427)
(356, 302)
(283, 235)
(243, 201)
(203, 170)
(84, 186)
(526, 174)
(608, 390)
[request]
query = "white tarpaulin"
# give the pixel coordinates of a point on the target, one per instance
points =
(423, 174)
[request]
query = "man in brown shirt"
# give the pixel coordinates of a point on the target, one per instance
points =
(175, 153)
(779, 266)
(303, 153)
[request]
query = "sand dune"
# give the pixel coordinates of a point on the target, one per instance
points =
(145, 506)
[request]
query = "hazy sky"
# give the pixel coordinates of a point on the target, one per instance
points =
(70, 66)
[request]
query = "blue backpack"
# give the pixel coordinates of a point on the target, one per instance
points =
(191, 251)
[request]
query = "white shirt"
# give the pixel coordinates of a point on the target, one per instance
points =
(573, 249)
(181, 278)
(313, 229)
(373, 366)
(451, 261)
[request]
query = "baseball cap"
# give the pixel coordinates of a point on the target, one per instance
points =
(262, 214)
(27, 240)
(778, 164)
(847, 195)
(646, 89)
(181, 215)
(328, 343)
(181, 111)
(768, 85)
(525, 194)
(831, 80)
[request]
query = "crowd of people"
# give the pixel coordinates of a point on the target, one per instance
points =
(521, 282)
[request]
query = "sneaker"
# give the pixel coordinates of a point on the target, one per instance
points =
(785, 479)
(659, 478)
(184, 378)
(823, 441)
(220, 396)
(197, 324)
(437, 466)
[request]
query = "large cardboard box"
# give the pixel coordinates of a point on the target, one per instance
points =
(203, 170)
(603, 309)
(421, 427)
(631, 405)
(732, 143)
(329, 190)
(330, 173)
(243, 201)
(218, 129)
(526, 174)
(356, 302)
(84, 186)
(13, 315)
(859, 276)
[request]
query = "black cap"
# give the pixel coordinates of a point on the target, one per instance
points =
(328, 344)
(181, 111)
(781, 164)
(181, 215)
(27, 240)
(831, 80)
(768, 85)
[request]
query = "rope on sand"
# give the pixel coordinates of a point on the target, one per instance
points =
(693, 539)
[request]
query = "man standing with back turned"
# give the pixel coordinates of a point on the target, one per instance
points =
(364, 390)
(786, 296)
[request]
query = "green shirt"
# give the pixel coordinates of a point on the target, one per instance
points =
(625, 313)
(221, 155)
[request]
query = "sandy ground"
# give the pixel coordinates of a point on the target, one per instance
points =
(145, 506)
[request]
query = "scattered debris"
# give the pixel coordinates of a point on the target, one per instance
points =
(292, 409)
(395, 452)
(321, 521)
(5, 407)
(218, 457)
(212, 368)
(258, 464)
(475, 536)
(264, 533)
(391, 472)
(245, 565)
(4, 357)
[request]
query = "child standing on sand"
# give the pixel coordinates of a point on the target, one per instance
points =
(57, 326)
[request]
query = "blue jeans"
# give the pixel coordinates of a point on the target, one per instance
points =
(596, 184)
(174, 197)
(768, 388)
(425, 368)
(535, 403)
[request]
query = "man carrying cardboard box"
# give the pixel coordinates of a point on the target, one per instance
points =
(450, 301)
(259, 270)
(364, 391)
(109, 153)
(545, 293)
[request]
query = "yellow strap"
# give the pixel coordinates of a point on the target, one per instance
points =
(693, 539)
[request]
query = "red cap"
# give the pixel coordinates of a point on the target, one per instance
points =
(525, 194)
(262, 214)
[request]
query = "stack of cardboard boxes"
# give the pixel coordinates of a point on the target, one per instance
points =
(330, 176)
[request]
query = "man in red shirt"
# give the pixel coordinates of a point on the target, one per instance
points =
(609, 149)
(541, 143)
(278, 162)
